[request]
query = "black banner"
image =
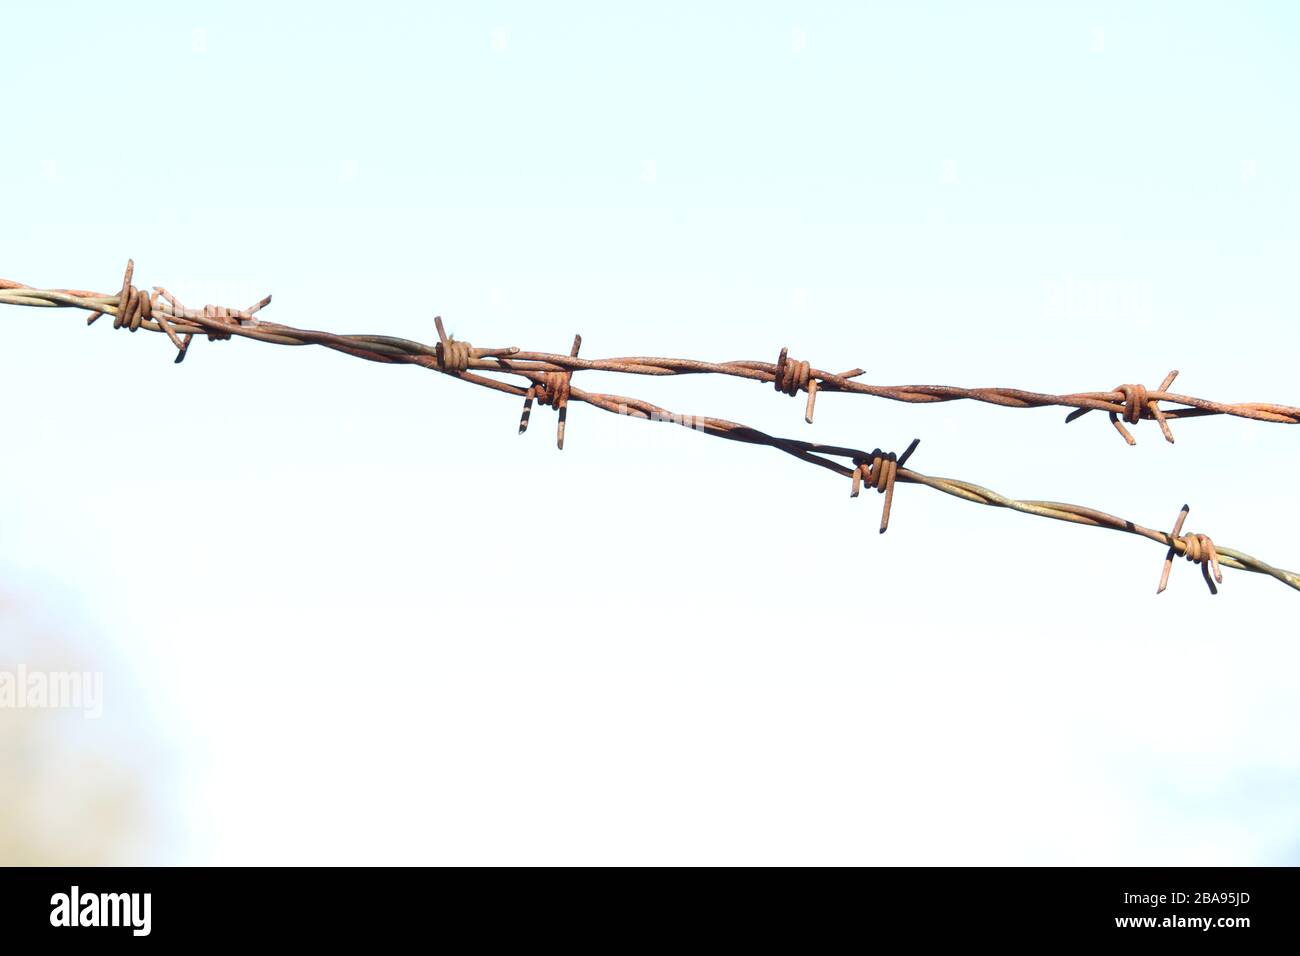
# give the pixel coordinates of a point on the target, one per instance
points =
(1229, 906)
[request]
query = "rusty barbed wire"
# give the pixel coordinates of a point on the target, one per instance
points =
(549, 377)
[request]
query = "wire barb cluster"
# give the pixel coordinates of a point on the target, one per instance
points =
(547, 378)
(1197, 548)
(792, 376)
(1138, 404)
(133, 310)
(880, 471)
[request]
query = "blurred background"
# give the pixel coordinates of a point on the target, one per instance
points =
(344, 614)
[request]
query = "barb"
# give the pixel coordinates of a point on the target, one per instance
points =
(548, 378)
(1197, 548)
(880, 471)
(1137, 403)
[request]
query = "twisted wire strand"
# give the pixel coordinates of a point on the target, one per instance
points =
(1118, 402)
(549, 380)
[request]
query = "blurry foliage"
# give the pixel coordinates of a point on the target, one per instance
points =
(68, 792)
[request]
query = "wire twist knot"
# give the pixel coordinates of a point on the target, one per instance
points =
(217, 321)
(793, 376)
(1138, 404)
(554, 390)
(136, 309)
(454, 356)
(133, 306)
(225, 316)
(879, 471)
(1197, 548)
(1135, 402)
(551, 388)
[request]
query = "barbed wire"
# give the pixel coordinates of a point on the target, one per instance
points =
(549, 382)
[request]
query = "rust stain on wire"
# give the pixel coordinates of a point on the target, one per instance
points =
(549, 381)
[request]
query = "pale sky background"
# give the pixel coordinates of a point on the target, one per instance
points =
(346, 615)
